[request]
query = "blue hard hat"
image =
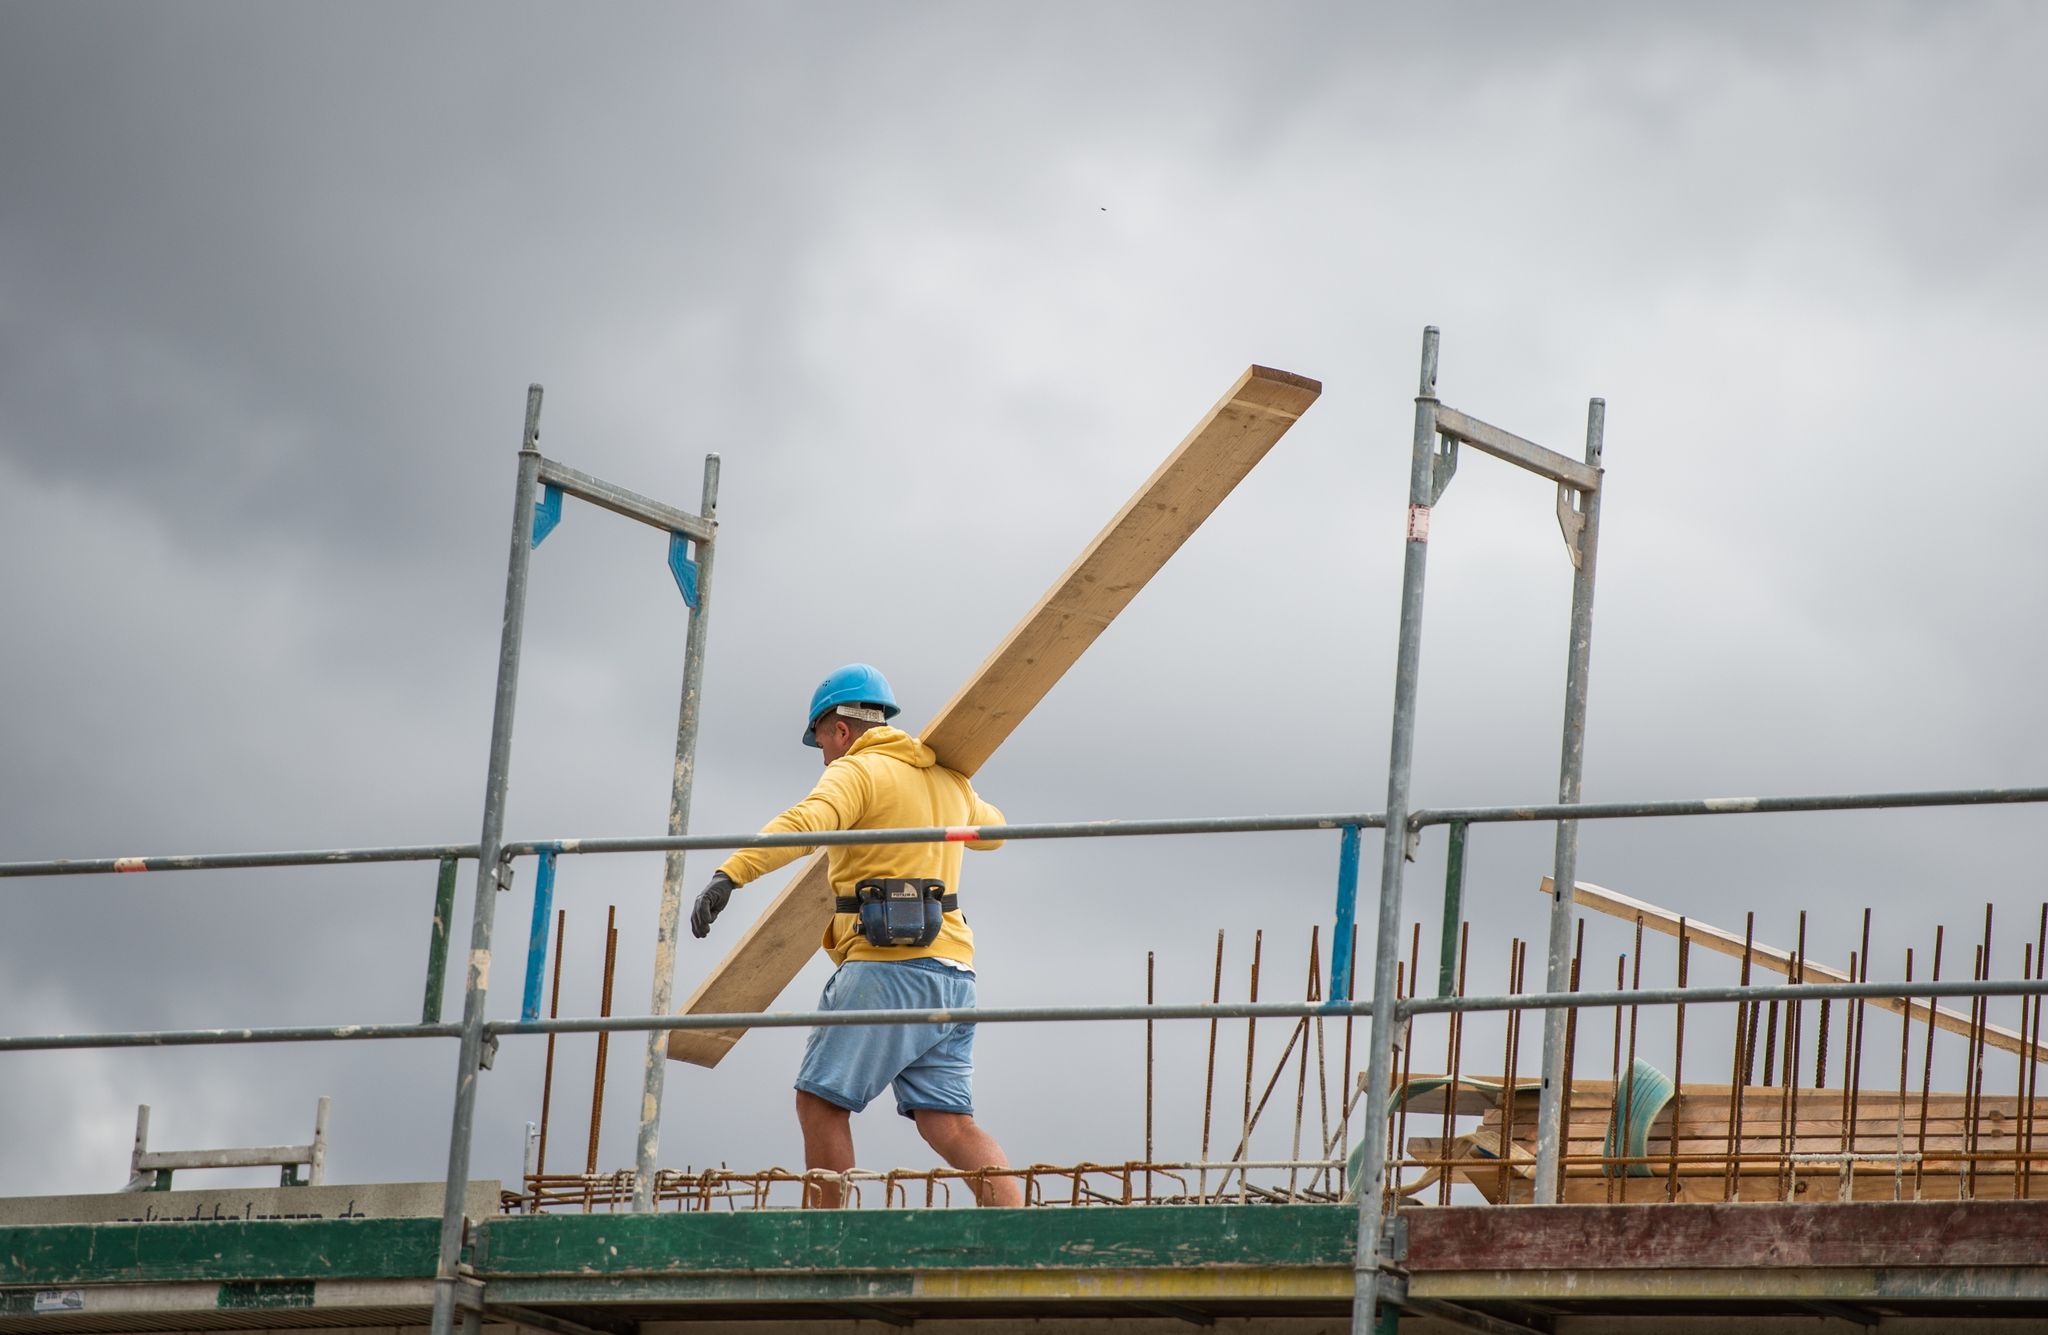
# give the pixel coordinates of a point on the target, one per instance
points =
(854, 684)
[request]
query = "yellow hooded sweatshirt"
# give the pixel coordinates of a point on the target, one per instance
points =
(887, 780)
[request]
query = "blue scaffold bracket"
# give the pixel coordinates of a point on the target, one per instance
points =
(683, 568)
(1339, 990)
(547, 512)
(537, 938)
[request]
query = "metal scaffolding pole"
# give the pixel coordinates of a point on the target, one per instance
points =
(1439, 430)
(1582, 539)
(471, 1057)
(1428, 472)
(656, 1071)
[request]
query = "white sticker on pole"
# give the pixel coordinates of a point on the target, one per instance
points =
(1418, 523)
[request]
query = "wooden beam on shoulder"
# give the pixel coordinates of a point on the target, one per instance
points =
(1224, 446)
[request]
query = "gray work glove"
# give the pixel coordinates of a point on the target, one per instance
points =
(710, 903)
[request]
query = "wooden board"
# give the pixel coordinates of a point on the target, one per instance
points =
(1235, 434)
(1770, 1237)
(1724, 942)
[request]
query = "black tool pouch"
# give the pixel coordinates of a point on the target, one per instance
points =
(899, 910)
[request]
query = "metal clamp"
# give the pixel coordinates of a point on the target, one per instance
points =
(683, 568)
(547, 512)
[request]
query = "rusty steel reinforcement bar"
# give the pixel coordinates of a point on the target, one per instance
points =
(1417, 820)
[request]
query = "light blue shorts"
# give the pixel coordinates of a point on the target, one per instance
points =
(931, 1065)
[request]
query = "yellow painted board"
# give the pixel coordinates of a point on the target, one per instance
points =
(1224, 446)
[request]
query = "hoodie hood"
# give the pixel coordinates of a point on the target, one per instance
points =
(894, 743)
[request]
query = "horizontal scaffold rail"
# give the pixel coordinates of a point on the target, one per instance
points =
(1521, 1001)
(1724, 806)
(620, 501)
(1102, 829)
(931, 834)
(1507, 446)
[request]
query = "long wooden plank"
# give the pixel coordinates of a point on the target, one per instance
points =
(1714, 1236)
(1658, 919)
(1208, 464)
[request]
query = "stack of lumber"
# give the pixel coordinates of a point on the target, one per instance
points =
(1789, 1144)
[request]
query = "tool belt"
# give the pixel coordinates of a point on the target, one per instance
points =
(899, 910)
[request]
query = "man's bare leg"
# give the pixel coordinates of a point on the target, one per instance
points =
(962, 1143)
(828, 1143)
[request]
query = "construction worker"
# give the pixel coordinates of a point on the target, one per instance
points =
(898, 938)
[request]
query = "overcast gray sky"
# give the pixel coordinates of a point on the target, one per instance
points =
(943, 284)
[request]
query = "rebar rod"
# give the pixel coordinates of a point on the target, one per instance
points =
(1510, 1056)
(2019, 1134)
(1149, 999)
(1770, 1043)
(1820, 1040)
(1296, 1035)
(1977, 1043)
(547, 1079)
(1301, 1076)
(1209, 1079)
(1393, 1116)
(1614, 1077)
(1745, 1051)
(2033, 1063)
(1927, 1059)
(1322, 1076)
(1748, 959)
(1905, 1072)
(1788, 1107)
(1678, 1064)
(611, 959)
(1971, 1072)
(1250, 1041)
(1859, 1018)
(1628, 1092)
(1843, 1188)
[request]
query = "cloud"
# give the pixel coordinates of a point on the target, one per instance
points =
(941, 287)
